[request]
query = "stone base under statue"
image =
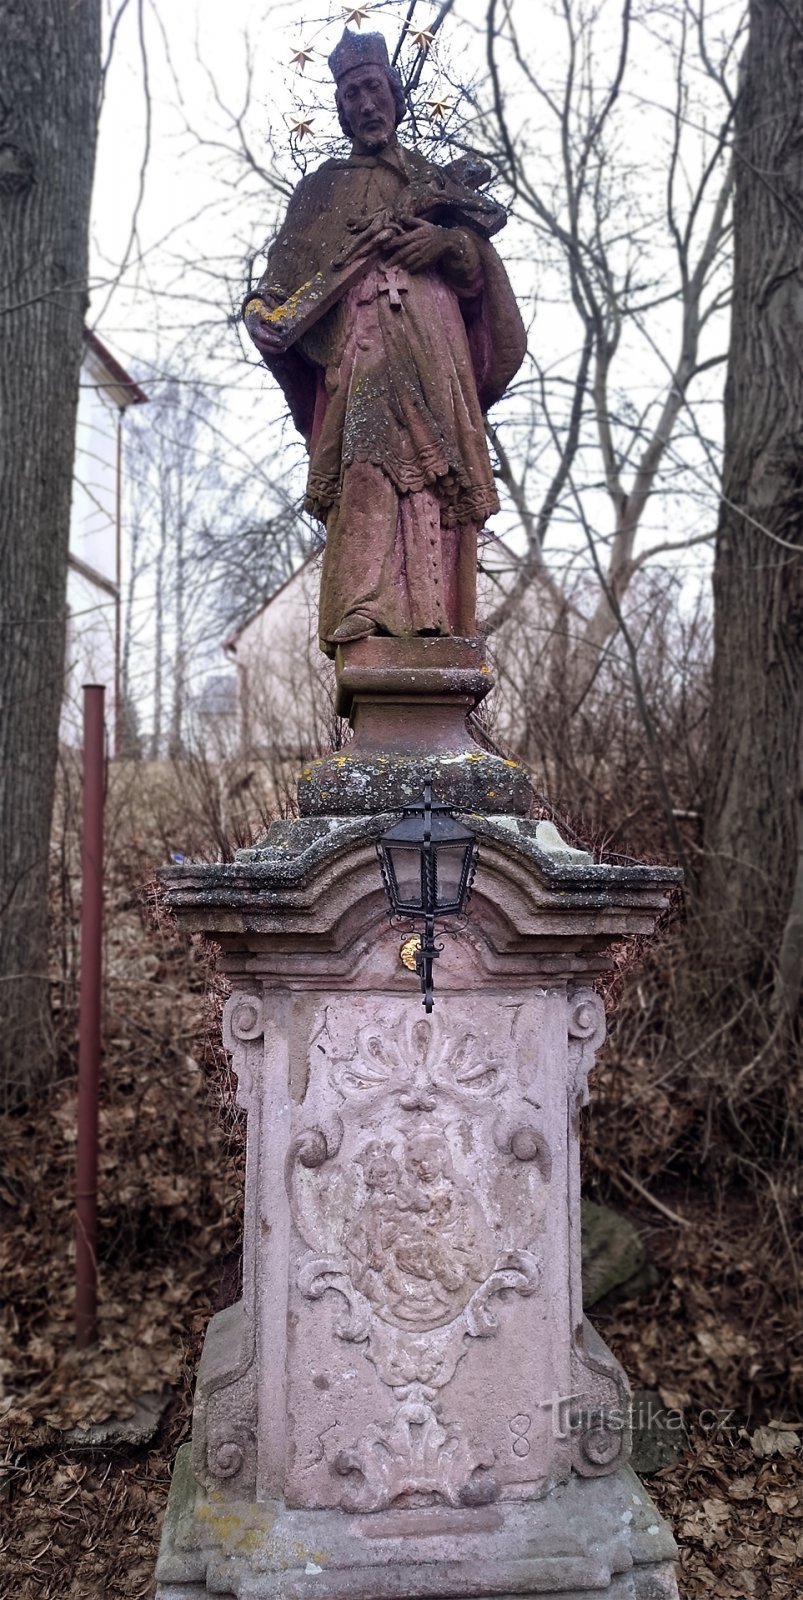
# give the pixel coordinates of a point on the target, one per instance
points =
(589, 1538)
(407, 701)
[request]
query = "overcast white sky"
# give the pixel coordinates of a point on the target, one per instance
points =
(201, 210)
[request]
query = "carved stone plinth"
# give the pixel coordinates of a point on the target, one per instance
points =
(407, 701)
(590, 1539)
(408, 1401)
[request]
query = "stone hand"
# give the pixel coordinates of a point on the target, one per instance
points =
(269, 341)
(370, 238)
(419, 246)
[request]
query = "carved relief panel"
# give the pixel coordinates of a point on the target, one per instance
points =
(428, 1315)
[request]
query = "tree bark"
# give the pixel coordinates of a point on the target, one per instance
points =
(750, 824)
(49, 80)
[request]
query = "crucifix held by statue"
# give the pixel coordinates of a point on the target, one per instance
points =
(388, 319)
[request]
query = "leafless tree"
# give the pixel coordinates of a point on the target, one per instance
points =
(751, 906)
(213, 541)
(49, 83)
(604, 448)
(607, 441)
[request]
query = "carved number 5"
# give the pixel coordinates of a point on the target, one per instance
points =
(520, 1427)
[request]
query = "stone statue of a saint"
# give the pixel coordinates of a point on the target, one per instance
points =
(389, 322)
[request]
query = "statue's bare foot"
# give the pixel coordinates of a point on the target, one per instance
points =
(355, 626)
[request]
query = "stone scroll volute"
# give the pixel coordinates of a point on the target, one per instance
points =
(586, 1030)
(598, 1413)
(224, 1437)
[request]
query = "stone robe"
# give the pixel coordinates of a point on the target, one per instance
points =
(389, 389)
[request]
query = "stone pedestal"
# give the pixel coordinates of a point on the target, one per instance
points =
(408, 1401)
(407, 701)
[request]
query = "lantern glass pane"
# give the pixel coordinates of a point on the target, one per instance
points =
(450, 873)
(404, 867)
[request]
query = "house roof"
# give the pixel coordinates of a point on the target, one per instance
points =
(230, 643)
(132, 394)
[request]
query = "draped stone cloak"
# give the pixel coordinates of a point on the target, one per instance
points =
(388, 390)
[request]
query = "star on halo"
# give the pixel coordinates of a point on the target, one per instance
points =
(357, 14)
(422, 37)
(302, 56)
(438, 109)
(302, 127)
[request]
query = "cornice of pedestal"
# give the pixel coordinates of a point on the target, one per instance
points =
(311, 893)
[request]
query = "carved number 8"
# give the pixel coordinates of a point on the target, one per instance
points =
(520, 1427)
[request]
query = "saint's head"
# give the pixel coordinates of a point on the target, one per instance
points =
(369, 98)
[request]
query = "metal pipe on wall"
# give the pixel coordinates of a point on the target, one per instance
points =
(86, 1166)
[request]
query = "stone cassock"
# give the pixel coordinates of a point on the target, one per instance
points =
(388, 386)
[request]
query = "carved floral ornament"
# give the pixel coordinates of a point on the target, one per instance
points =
(399, 1181)
(418, 1175)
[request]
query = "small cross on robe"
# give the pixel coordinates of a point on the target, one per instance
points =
(393, 285)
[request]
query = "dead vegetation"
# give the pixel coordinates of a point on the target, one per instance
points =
(668, 1141)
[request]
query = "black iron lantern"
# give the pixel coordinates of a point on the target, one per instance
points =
(428, 863)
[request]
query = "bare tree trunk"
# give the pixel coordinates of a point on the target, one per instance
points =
(789, 975)
(175, 743)
(159, 642)
(131, 743)
(750, 824)
(49, 79)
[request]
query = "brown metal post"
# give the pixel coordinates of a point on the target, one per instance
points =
(86, 1169)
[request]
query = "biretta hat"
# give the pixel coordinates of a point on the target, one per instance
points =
(358, 50)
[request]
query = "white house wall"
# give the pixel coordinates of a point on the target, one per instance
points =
(90, 655)
(92, 522)
(286, 684)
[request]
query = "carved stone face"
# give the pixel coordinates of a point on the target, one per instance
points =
(379, 1170)
(367, 102)
(429, 1161)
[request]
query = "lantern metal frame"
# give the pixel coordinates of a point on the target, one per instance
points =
(426, 828)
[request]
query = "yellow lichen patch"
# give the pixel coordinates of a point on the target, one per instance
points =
(229, 1529)
(290, 306)
(304, 1557)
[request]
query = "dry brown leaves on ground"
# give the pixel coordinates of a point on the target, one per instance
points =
(80, 1526)
(738, 1522)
